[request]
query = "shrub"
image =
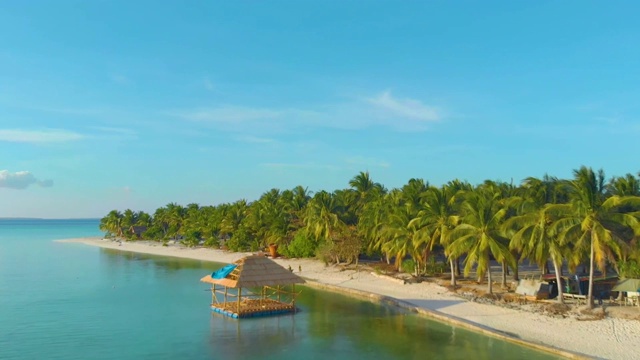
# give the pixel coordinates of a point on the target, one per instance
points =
(213, 242)
(409, 266)
(153, 233)
(241, 240)
(435, 267)
(300, 247)
(326, 252)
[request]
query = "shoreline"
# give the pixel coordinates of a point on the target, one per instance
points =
(610, 338)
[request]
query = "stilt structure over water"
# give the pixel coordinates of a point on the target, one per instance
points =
(253, 286)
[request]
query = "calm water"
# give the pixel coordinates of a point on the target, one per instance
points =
(71, 301)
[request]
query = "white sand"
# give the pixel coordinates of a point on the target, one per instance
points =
(610, 338)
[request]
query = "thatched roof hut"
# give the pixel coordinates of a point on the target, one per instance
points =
(253, 272)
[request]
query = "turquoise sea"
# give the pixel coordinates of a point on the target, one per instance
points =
(72, 301)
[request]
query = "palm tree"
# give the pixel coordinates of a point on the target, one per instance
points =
(479, 233)
(364, 189)
(161, 222)
(412, 194)
(175, 218)
(532, 236)
(193, 224)
(592, 221)
(328, 221)
(627, 185)
(373, 217)
(508, 196)
(129, 218)
(322, 218)
(397, 235)
(112, 223)
(294, 203)
(233, 217)
(143, 219)
(436, 221)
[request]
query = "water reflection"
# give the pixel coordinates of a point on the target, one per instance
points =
(252, 337)
(336, 326)
(329, 325)
(118, 259)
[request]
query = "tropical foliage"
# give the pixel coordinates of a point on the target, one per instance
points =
(582, 221)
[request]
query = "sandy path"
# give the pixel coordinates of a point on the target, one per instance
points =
(610, 338)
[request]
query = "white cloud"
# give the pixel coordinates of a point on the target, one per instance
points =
(407, 108)
(115, 133)
(21, 180)
(230, 114)
(383, 110)
(39, 136)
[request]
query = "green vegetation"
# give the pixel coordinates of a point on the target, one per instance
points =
(584, 220)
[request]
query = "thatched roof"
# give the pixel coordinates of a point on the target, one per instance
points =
(137, 230)
(256, 271)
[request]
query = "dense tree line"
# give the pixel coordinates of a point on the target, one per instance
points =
(578, 221)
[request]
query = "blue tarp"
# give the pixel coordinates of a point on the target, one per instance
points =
(223, 272)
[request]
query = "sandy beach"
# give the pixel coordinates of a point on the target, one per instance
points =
(610, 338)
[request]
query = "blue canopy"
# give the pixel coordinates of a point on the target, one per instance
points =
(223, 272)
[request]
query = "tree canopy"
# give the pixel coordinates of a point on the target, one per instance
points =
(577, 221)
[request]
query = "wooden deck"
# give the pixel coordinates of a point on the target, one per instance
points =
(253, 308)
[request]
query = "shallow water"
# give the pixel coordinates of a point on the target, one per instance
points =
(72, 301)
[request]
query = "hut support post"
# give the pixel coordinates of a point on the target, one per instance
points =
(278, 287)
(213, 294)
(239, 298)
(226, 289)
(293, 295)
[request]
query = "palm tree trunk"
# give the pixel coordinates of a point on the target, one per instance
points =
(453, 273)
(458, 266)
(489, 283)
(559, 280)
(590, 294)
(516, 276)
(515, 269)
(504, 275)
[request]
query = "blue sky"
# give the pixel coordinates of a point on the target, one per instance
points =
(135, 104)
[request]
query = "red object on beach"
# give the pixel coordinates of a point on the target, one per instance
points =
(273, 249)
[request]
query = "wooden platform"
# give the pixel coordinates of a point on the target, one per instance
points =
(253, 308)
(581, 299)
